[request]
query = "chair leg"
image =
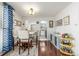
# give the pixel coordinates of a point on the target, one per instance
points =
(19, 46)
(24, 46)
(17, 43)
(31, 44)
(36, 41)
(28, 47)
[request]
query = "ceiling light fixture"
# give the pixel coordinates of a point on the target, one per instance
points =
(31, 11)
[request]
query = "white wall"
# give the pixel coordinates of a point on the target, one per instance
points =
(17, 17)
(1, 26)
(73, 11)
(33, 20)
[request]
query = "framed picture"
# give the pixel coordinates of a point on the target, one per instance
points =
(37, 22)
(17, 23)
(58, 22)
(66, 20)
(51, 23)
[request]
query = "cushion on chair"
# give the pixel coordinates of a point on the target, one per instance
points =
(24, 40)
(23, 34)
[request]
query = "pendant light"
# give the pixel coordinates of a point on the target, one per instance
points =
(31, 11)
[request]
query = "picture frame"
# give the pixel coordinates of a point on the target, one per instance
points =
(51, 23)
(58, 22)
(17, 23)
(66, 20)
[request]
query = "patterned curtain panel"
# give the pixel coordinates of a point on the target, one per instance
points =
(8, 27)
(1, 26)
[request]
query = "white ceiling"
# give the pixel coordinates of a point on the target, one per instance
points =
(46, 9)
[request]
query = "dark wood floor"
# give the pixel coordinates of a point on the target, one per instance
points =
(48, 50)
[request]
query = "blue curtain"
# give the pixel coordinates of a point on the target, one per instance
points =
(7, 27)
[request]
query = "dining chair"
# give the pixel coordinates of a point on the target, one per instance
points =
(24, 40)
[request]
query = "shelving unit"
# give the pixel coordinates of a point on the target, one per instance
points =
(66, 46)
(70, 54)
(67, 38)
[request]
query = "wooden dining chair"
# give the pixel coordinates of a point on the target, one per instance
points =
(24, 40)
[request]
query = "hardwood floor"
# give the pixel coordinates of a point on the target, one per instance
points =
(44, 49)
(48, 49)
